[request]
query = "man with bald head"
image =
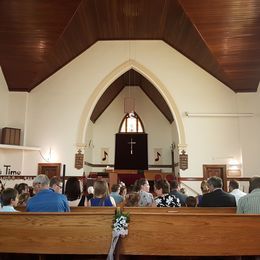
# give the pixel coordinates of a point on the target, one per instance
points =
(250, 204)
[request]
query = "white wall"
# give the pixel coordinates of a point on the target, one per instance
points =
(55, 107)
(17, 112)
(250, 132)
(12, 114)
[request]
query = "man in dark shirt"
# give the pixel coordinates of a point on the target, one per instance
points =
(216, 196)
(175, 191)
(45, 200)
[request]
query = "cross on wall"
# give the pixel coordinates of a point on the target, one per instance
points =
(131, 145)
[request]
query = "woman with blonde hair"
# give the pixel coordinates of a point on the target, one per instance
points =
(101, 196)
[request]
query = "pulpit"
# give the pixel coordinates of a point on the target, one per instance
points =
(126, 176)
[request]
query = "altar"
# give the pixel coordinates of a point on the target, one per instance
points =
(130, 176)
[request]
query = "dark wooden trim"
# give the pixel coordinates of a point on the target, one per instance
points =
(112, 165)
(98, 165)
(239, 178)
(191, 178)
(201, 178)
(160, 166)
(29, 177)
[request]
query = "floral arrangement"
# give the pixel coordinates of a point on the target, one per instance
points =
(120, 223)
(120, 229)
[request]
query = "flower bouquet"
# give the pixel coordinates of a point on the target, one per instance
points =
(120, 229)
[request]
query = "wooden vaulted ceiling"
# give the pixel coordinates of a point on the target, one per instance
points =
(37, 38)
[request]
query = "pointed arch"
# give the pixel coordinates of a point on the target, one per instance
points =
(109, 79)
(131, 123)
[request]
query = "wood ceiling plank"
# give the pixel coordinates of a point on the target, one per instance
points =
(222, 37)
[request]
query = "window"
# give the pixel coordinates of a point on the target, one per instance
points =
(131, 123)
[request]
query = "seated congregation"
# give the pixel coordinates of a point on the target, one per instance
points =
(47, 195)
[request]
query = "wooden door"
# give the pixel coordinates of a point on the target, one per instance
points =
(218, 170)
(49, 169)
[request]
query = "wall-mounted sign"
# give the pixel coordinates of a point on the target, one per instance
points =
(183, 160)
(9, 171)
(79, 160)
(157, 155)
(104, 155)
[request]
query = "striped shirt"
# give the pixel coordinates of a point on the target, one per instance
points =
(249, 204)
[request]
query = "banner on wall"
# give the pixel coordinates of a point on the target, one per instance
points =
(79, 160)
(104, 155)
(183, 158)
(157, 155)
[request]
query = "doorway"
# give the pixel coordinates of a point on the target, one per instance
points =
(219, 170)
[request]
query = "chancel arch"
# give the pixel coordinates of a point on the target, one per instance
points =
(129, 73)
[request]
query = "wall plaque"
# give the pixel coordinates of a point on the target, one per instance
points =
(79, 160)
(183, 160)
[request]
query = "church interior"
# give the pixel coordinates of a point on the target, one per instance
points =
(71, 72)
(118, 89)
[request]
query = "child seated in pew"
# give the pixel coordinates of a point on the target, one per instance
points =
(191, 202)
(9, 198)
(22, 199)
(101, 196)
(115, 189)
(132, 199)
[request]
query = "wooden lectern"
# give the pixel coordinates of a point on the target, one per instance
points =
(113, 175)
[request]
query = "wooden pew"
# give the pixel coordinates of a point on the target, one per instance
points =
(152, 231)
(87, 233)
(152, 209)
(198, 234)
(191, 210)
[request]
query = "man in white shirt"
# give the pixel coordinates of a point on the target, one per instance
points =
(234, 190)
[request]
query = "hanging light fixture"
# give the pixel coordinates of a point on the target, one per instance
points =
(129, 102)
(129, 105)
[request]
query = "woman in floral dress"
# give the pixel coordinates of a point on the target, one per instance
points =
(164, 199)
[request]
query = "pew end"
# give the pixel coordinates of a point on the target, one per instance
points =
(86, 233)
